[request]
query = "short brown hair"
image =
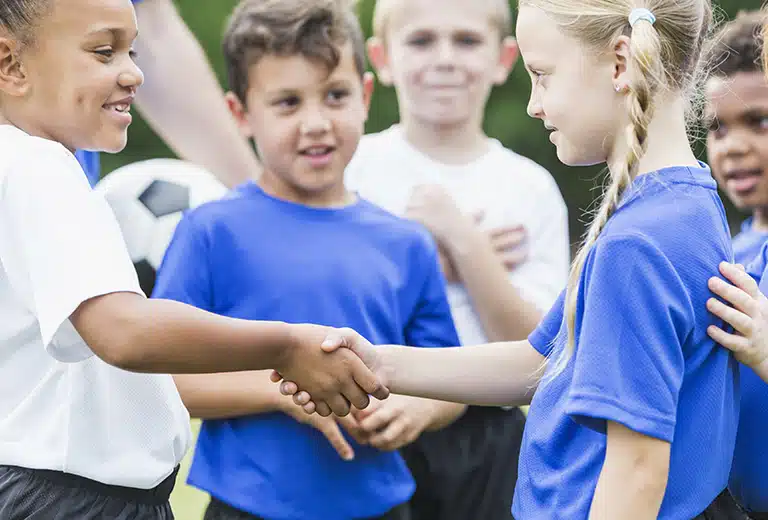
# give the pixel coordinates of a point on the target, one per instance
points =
(738, 45)
(20, 17)
(313, 28)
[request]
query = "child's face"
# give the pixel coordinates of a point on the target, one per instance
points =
(737, 141)
(78, 79)
(572, 90)
(443, 57)
(305, 122)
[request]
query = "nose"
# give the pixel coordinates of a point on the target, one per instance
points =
(131, 77)
(534, 107)
(445, 53)
(735, 142)
(315, 122)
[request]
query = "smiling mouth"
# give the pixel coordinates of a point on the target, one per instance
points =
(317, 151)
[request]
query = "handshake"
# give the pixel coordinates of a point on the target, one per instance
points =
(330, 370)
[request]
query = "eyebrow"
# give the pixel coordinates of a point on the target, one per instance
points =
(114, 32)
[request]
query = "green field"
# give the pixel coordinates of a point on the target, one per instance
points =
(188, 503)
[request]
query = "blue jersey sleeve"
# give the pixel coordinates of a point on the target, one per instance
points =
(431, 324)
(629, 363)
(543, 337)
(185, 274)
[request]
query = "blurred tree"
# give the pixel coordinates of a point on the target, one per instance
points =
(506, 117)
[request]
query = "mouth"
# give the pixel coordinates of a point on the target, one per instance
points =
(743, 182)
(121, 106)
(318, 155)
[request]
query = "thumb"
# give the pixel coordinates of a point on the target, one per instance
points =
(330, 428)
(333, 341)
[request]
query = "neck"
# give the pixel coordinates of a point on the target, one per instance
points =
(667, 141)
(333, 197)
(460, 143)
(760, 219)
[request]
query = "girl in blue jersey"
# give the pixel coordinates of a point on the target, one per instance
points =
(635, 408)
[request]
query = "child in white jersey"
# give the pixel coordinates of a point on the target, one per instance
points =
(498, 217)
(83, 434)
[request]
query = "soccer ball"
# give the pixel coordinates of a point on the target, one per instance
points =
(149, 199)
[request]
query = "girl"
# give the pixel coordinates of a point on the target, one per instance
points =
(634, 414)
(79, 437)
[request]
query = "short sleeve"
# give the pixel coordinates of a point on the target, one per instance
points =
(543, 337)
(185, 273)
(628, 363)
(756, 269)
(64, 244)
(431, 324)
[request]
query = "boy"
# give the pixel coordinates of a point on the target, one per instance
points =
(737, 99)
(438, 167)
(296, 245)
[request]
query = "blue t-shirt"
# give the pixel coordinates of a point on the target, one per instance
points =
(257, 257)
(748, 243)
(749, 474)
(642, 356)
(90, 160)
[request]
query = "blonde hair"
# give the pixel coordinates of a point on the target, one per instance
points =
(499, 11)
(666, 57)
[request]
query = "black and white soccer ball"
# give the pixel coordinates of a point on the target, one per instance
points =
(149, 199)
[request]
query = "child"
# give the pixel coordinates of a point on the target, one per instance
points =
(295, 247)
(628, 364)
(437, 166)
(737, 142)
(81, 436)
(737, 100)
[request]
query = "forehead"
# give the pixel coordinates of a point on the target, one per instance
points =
(295, 72)
(81, 17)
(736, 94)
(415, 15)
(539, 37)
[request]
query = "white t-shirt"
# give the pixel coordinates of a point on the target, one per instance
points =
(508, 188)
(61, 407)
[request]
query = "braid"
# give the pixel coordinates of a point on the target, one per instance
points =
(645, 49)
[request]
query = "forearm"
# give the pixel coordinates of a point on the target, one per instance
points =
(445, 414)
(224, 396)
(633, 479)
(181, 97)
(496, 374)
(502, 310)
(162, 336)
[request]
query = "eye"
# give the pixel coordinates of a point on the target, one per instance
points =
(287, 102)
(133, 54)
(716, 128)
(105, 52)
(337, 95)
(419, 40)
(468, 40)
(758, 123)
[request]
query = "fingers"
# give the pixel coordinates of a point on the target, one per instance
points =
(322, 408)
(339, 405)
(353, 428)
(378, 420)
(513, 258)
(733, 295)
(288, 388)
(368, 381)
(355, 395)
(391, 438)
(275, 376)
(740, 278)
(309, 408)
(330, 428)
(507, 237)
(737, 319)
(732, 342)
(332, 342)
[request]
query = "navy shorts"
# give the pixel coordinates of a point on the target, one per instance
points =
(218, 510)
(31, 494)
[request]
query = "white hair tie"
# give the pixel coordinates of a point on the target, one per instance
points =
(641, 13)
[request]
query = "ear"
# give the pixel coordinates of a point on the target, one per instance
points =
(13, 77)
(622, 75)
(239, 113)
(367, 92)
(507, 59)
(377, 54)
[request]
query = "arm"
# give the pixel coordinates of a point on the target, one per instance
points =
(634, 476)
(182, 99)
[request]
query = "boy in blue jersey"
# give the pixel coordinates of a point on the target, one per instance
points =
(297, 245)
(737, 101)
(737, 141)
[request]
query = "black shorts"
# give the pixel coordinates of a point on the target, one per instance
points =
(469, 469)
(30, 494)
(218, 510)
(724, 507)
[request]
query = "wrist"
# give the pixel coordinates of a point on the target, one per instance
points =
(761, 369)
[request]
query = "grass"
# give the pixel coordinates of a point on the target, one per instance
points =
(188, 503)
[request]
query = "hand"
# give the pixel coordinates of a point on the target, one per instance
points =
(396, 422)
(510, 244)
(328, 426)
(435, 209)
(334, 378)
(359, 357)
(748, 315)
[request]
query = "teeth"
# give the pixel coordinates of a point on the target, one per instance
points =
(317, 151)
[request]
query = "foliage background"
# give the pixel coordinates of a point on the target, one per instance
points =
(506, 120)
